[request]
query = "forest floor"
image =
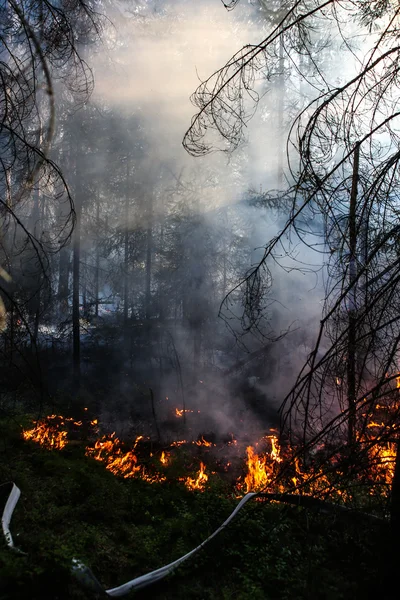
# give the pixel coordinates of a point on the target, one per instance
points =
(72, 507)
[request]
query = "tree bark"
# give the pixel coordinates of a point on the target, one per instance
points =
(76, 345)
(149, 255)
(281, 93)
(351, 344)
(64, 266)
(126, 250)
(97, 268)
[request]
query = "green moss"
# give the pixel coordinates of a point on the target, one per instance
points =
(71, 506)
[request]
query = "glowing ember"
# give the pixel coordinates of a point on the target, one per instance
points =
(374, 424)
(200, 482)
(232, 441)
(139, 437)
(180, 412)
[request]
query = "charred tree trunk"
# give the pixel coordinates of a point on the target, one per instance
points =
(162, 300)
(84, 282)
(395, 496)
(34, 304)
(281, 93)
(126, 251)
(392, 551)
(97, 267)
(76, 343)
(352, 334)
(149, 255)
(64, 266)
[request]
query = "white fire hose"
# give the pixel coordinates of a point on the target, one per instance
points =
(85, 575)
(87, 578)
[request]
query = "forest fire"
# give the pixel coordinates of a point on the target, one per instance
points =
(47, 433)
(382, 459)
(264, 466)
(124, 464)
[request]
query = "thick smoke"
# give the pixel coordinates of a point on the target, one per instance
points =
(149, 66)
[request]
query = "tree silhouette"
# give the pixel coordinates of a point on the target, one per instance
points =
(40, 59)
(342, 172)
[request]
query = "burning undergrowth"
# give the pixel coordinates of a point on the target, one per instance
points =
(269, 464)
(55, 431)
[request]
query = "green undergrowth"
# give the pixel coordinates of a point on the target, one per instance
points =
(71, 506)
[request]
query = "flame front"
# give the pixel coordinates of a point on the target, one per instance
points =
(108, 450)
(48, 433)
(263, 466)
(47, 437)
(124, 464)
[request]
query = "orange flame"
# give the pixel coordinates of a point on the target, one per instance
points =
(48, 433)
(262, 468)
(165, 458)
(124, 464)
(200, 482)
(259, 473)
(385, 460)
(48, 437)
(204, 442)
(108, 449)
(375, 424)
(276, 449)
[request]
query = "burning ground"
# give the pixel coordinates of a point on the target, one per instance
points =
(126, 507)
(268, 464)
